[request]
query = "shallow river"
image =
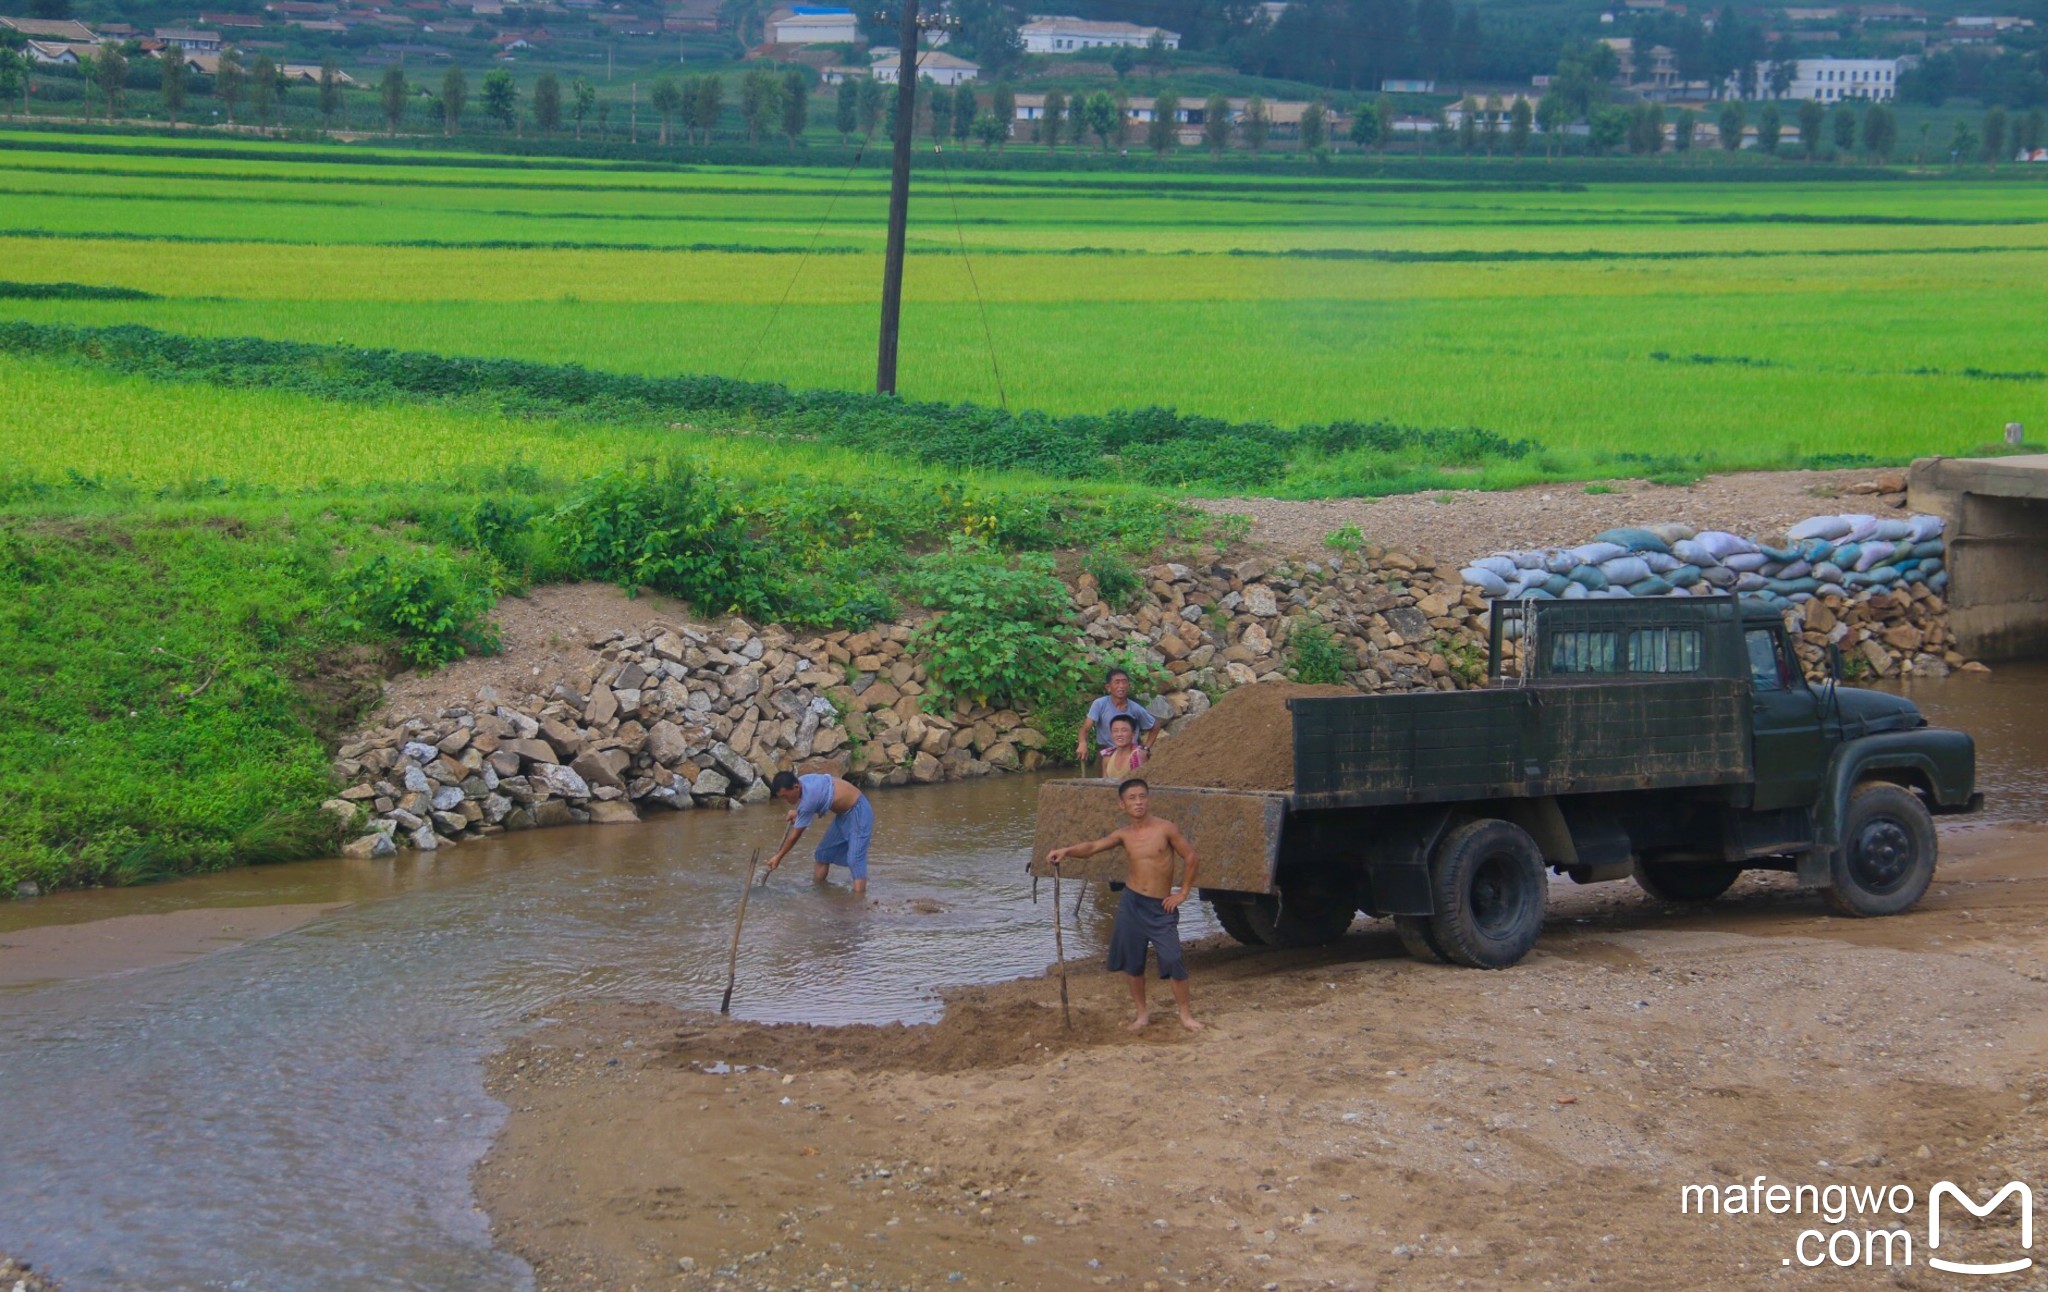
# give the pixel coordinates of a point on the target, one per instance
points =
(302, 1111)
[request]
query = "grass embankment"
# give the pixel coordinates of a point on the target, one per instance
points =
(189, 623)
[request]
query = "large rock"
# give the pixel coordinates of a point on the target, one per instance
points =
(732, 763)
(1412, 624)
(560, 780)
(565, 739)
(618, 812)
(666, 743)
(533, 751)
(553, 812)
(595, 769)
(374, 844)
(603, 707)
(710, 784)
(1259, 600)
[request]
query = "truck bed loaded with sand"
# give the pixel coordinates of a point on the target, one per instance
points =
(1672, 741)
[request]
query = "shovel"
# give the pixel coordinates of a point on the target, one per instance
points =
(732, 964)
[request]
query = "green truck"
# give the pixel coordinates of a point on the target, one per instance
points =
(1675, 741)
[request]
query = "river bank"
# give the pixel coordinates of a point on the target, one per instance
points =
(1349, 1114)
(599, 723)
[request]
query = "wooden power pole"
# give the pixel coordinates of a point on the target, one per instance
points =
(899, 203)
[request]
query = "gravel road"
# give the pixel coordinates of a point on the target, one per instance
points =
(1463, 525)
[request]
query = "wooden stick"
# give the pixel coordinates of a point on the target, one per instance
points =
(1059, 942)
(732, 964)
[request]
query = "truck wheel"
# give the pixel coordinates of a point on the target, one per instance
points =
(1417, 940)
(1886, 857)
(1231, 915)
(1299, 918)
(1488, 885)
(1677, 882)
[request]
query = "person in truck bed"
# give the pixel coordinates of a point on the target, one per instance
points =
(1125, 754)
(1149, 912)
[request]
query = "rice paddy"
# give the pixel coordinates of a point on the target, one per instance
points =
(1731, 323)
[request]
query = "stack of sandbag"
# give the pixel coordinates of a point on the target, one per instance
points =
(1841, 556)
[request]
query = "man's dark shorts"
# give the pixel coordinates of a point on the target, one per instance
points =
(1141, 920)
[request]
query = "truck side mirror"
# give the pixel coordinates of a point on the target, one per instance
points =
(1834, 662)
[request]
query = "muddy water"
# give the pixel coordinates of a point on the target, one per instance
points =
(302, 1110)
(2007, 712)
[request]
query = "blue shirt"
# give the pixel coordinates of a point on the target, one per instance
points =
(1104, 711)
(817, 797)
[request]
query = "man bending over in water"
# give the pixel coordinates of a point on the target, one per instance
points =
(1150, 909)
(853, 824)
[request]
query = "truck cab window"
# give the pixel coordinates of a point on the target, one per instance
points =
(1664, 650)
(1766, 664)
(1584, 652)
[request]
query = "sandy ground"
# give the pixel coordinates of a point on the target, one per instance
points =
(1351, 1119)
(1465, 524)
(547, 635)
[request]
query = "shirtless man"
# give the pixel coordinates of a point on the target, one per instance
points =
(1150, 909)
(853, 824)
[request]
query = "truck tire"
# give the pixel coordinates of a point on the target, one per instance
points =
(1677, 882)
(1488, 886)
(1417, 940)
(1231, 915)
(1298, 918)
(1886, 857)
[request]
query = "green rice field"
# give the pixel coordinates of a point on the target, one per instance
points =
(1728, 323)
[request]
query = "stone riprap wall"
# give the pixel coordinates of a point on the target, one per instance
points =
(1870, 585)
(678, 717)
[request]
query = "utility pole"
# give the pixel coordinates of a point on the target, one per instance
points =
(899, 203)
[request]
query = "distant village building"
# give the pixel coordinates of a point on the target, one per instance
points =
(309, 74)
(1652, 73)
(936, 64)
(813, 24)
(60, 53)
(1057, 35)
(189, 40)
(58, 29)
(1831, 80)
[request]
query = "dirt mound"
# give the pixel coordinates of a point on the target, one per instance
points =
(982, 1029)
(1245, 742)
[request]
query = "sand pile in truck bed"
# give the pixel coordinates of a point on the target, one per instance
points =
(1245, 742)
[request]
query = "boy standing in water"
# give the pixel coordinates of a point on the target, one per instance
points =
(1149, 912)
(853, 824)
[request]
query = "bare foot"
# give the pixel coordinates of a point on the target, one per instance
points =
(1188, 1021)
(1138, 1024)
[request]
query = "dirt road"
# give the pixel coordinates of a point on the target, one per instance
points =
(1460, 525)
(1351, 1118)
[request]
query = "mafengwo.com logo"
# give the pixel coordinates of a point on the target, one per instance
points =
(1850, 1225)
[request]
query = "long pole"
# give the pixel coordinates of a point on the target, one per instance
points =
(1059, 948)
(732, 963)
(899, 203)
